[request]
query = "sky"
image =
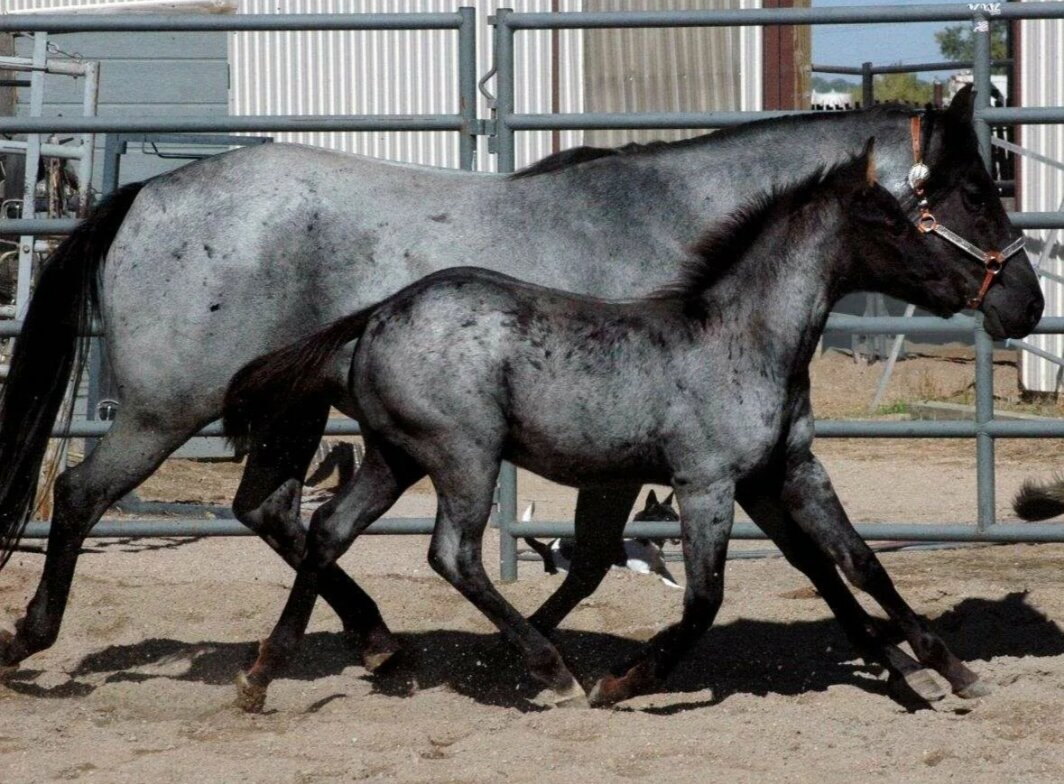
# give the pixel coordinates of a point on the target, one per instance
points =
(882, 44)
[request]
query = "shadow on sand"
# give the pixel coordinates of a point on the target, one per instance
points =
(741, 657)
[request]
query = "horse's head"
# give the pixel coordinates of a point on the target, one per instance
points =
(962, 198)
(884, 249)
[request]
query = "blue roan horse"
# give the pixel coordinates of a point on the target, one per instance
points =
(703, 385)
(199, 271)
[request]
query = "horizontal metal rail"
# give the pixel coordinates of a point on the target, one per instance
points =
(420, 526)
(185, 23)
(61, 226)
(824, 428)
(238, 123)
(954, 65)
(767, 17)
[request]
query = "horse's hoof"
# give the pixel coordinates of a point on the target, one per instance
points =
(919, 682)
(572, 697)
(249, 697)
(375, 661)
(607, 692)
(7, 672)
(379, 650)
(973, 691)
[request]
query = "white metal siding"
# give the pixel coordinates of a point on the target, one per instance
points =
(1042, 186)
(416, 72)
(394, 72)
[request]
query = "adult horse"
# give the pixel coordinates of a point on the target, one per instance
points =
(201, 270)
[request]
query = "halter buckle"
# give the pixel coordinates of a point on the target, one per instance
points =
(926, 223)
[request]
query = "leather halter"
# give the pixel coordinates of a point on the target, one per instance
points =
(993, 261)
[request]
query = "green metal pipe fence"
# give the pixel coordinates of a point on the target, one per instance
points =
(504, 124)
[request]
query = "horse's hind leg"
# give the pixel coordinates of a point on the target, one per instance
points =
(268, 503)
(125, 457)
(465, 498)
(810, 498)
(377, 485)
(599, 530)
(867, 634)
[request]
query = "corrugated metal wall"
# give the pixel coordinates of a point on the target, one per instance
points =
(660, 69)
(1042, 186)
(395, 72)
(415, 72)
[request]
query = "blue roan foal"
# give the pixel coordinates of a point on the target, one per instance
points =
(703, 386)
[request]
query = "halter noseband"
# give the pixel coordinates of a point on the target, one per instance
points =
(993, 261)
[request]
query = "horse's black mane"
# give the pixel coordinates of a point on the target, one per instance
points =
(720, 248)
(576, 156)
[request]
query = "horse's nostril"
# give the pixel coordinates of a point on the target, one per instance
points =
(1034, 310)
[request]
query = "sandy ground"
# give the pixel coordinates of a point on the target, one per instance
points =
(139, 686)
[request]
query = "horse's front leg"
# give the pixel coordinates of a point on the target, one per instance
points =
(810, 498)
(706, 512)
(872, 637)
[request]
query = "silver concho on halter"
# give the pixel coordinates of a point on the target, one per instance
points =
(918, 175)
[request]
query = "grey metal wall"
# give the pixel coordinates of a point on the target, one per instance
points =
(141, 74)
(668, 70)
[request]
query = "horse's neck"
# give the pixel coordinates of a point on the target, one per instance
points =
(782, 289)
(774, 155)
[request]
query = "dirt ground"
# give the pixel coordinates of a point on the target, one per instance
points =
(139, 686)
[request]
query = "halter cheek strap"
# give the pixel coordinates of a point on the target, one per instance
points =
(993, 261)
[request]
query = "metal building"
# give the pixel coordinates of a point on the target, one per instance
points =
(564, 71)
(1040, 185)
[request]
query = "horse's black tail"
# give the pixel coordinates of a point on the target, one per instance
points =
(50, 348)
(1040, 502)
(267, 387)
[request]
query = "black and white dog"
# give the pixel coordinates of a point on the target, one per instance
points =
(643, 556)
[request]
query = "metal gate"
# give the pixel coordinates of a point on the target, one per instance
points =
(501, 129)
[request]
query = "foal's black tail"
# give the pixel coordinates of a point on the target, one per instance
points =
(51, 348)
(1040, 502)
(267, 387)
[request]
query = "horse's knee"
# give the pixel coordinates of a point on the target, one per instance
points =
(866, 572)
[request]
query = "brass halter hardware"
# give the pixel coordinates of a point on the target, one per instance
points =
(993, 261)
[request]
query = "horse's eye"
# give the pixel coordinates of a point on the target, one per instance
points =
(973, 198)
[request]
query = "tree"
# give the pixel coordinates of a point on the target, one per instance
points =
(955, 42)
(903, 87)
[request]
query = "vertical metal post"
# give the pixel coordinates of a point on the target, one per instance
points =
(29, 191)
(507, 518)
(984, 345)
(868, 88)
(981, 80)
(88, 140)
(114, 147)
(984, 412)
(504, 60)
(467, 88)
(504, 81)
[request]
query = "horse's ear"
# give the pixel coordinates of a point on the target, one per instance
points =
(869, 157)
(652, 499)
(962, 107)
(668, 500)
(860, 171)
